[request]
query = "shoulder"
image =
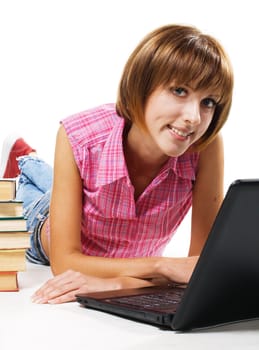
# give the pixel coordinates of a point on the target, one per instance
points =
(91, 132)
(193, 162)
(213, 151)
(211, 163)
(186, 165)
(91, 126)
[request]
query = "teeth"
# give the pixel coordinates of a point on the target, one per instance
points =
(180, 133)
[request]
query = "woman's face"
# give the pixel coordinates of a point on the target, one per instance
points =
(177, 116)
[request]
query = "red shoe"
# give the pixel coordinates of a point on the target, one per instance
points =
(13, 147)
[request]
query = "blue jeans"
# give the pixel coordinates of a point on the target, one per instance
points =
(34, 189)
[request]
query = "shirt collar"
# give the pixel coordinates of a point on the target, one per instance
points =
(112, 164)
(184, 166)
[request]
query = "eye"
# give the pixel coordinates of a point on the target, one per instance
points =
(209, 103)
(179, 91)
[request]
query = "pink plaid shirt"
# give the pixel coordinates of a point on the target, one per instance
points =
(113, 224)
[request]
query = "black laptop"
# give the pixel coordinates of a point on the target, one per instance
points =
(224, 286)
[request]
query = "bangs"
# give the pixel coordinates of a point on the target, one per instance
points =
(199, 64)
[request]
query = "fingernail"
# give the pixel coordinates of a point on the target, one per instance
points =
(37, 300)
(51, 302)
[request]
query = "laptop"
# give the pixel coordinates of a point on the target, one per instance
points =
(224, 286)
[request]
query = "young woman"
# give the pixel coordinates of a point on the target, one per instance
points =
(126, 174)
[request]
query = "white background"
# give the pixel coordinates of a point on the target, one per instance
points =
(58, 57)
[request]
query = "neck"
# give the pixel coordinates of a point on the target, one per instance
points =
(141, 155)
(144, 161)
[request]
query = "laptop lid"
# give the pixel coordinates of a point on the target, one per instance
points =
(224, 286)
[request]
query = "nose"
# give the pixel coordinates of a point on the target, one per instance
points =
(192, 112)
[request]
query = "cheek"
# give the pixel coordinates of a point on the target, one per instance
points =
(203, 128)
(206, 123)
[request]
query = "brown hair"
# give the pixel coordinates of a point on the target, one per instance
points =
(181, 54)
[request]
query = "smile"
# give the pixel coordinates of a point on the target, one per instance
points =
(180, 132)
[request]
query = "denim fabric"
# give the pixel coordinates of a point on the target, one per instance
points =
(34, 189)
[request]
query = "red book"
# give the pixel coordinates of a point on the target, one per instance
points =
(8, 281)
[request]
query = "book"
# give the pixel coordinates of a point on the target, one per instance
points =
(14, 239)
(8, 281)
(12, 259)
(16, 223)
(11, 208)
(7, 189)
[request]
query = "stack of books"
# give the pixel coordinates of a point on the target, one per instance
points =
(14, 237)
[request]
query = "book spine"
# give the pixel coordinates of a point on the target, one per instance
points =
(10, 286)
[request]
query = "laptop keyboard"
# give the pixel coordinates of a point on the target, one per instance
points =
(161, 300)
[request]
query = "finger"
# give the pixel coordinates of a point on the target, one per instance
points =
(49, 283)
(54, 282)
(58, 288)
(63, 294)
(76, 288)
(64, 298)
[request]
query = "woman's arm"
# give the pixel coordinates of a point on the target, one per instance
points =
(76, 272)
(208, 193)
(65, 225)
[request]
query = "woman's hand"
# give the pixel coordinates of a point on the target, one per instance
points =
(178, 270)
(64, 287)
